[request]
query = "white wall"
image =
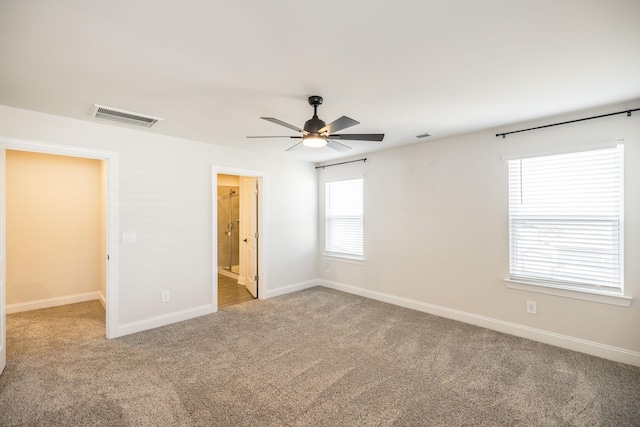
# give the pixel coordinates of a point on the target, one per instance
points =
(165, 195)
(436, 231)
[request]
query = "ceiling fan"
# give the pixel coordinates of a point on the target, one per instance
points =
(318, 134)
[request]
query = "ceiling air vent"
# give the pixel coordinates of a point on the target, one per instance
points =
(122, 116)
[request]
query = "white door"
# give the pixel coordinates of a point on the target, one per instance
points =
(3, 263)
(249, 191)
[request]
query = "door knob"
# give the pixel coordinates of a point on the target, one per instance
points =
(245, 240)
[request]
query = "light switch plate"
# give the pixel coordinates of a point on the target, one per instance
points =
(129, 237)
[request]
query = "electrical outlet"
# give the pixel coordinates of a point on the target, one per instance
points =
(327, 266)
(166, 296)
(532, 307)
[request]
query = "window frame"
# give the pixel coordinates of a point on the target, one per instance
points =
(556, 287)
(342, 256)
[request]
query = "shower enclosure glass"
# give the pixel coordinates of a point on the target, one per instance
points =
(228, 228)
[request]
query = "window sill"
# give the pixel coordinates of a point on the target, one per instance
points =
(344, 258)
(569, 292)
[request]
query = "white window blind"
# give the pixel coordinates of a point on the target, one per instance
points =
(344, 217)
(565, 215)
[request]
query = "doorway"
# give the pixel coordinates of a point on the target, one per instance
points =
(231, 289)
(237, 220)
(110, 213)
(55, 230)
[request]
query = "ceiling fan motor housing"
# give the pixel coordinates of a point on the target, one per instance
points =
(314, 124)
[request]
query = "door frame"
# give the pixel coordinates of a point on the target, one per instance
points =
(261, 176)
(111, 163)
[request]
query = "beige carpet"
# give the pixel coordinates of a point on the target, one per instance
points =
(314, 358)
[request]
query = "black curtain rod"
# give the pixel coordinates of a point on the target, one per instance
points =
(628, 112)
(343, 163)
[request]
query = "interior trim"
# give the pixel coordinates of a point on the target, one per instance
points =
(53, 302)
(164, 320)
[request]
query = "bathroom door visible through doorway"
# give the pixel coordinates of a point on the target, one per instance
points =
(249, 210)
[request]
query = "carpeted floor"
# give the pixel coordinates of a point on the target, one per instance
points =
(313, 358)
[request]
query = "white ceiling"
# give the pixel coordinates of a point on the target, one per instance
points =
(403, 67)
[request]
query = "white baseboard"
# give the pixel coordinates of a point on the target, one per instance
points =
(163, 320)
(564, 341)
(103, 300)
(291, 288)
(227, 273)
(52, 302)
(167, 319)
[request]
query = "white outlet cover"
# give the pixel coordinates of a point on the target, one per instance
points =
(532, 307)
(129, 237)
(166, 296)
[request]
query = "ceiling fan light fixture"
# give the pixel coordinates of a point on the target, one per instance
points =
(314, 141)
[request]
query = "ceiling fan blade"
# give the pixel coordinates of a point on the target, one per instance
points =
(295, 147)
(281, 123)
(274, 136)
(359, 137)
(337, 146)
(339, 124)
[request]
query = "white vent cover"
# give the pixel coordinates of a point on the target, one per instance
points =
(122, 116)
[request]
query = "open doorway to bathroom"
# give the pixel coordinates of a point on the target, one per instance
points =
(235, 214)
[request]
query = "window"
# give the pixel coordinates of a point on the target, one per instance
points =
(344, 218)
(565, 220)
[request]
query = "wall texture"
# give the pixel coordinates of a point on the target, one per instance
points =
(55, 230)
(436, 229)
(165, 194)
